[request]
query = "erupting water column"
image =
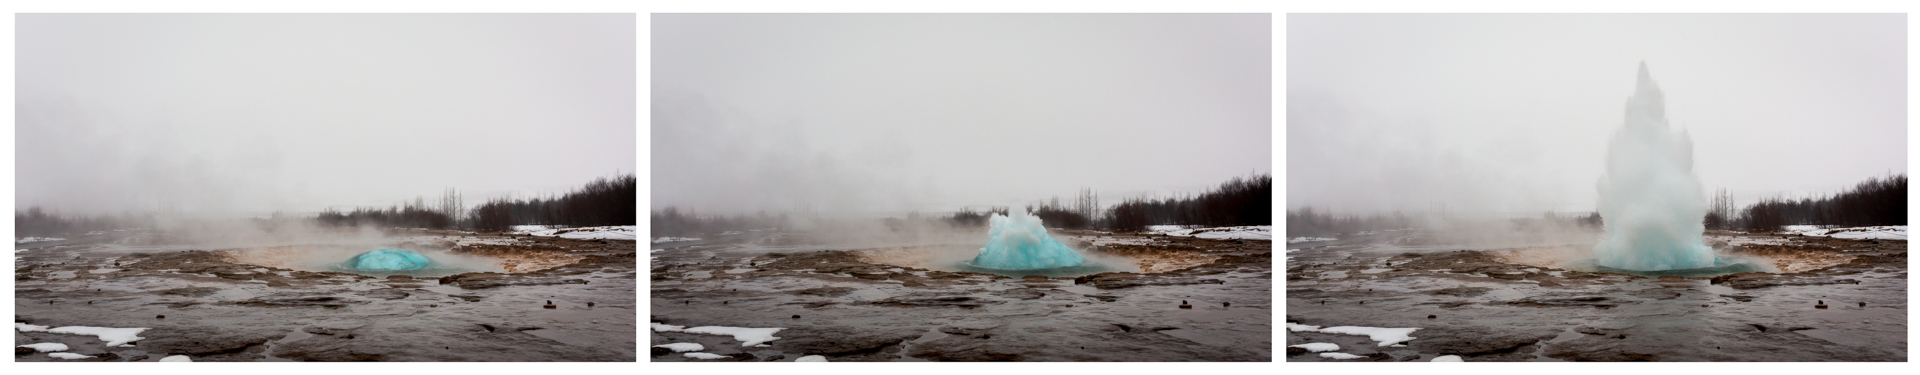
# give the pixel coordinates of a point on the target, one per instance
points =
(1650, 201)
(1019, 242)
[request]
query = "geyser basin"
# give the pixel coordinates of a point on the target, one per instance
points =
(1722, 265)
(389, 260)
(380, 261)
(1018, 242)
(957, 258)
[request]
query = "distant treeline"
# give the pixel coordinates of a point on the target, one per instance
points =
(670, 222)
(409, 216)
(1239, 201)
(35, 222)
(601, 202)
(1876, 201)
(1304, 222)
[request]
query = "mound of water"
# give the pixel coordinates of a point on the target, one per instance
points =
(1650, 201)
(389, 260)
(1019, 242)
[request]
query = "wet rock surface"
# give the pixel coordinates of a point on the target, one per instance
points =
(217, 310)
(849, 308)
(1490, 303)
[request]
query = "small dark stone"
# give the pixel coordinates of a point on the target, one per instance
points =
(1226, 304)
(589, 304)
(1863, 304)
(159, 316)
(796, 316)
(433, 305)
(1431, 316)
(19, 351)
(659, 351)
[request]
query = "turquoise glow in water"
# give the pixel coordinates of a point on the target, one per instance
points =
(389, 260)
(1019, 242)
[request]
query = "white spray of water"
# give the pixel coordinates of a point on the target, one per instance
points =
(1650, 201)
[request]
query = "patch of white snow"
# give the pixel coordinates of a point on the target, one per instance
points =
(46, 347)
(682, 347)
(747, 336)
(1339, 356)
(1318, 347)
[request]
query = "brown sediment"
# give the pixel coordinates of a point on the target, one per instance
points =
(517, 258)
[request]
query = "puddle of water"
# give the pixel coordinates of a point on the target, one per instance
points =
(1375, 270)
(907, 347)
(867, 295)
(1202, 336)
(297, 335)
(104, 270)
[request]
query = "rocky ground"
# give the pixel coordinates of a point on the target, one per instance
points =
(838, 303)
(1505, 304)
(208, 305)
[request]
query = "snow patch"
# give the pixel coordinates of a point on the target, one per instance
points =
(674, 239)
(659, 327)
(46, 347)
(1890, 232)
(1386, 336)
(704, 356)
(1339, 356)
(113, 336)
(1249, 232)
(682, 347)
(1310, 239)
(1318, 347)
(1448, 358)
(176, 358)
(37, 239)
(811, 358)
(616, 232)
(747, 336)
(68, 356)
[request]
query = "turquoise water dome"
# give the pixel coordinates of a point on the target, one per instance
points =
(389, 260)
(1019, 242)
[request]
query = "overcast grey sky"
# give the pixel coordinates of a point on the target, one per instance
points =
(930, 112)
(253, 112)
(1509, 113)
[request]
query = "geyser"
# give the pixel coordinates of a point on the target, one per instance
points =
(1019, 242)
(388, 260)
(1650, 202)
